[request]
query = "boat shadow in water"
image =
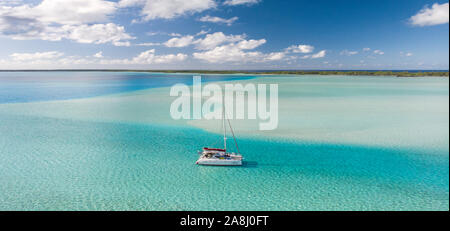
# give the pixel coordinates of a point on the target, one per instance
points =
(245, 164)
(249, 164)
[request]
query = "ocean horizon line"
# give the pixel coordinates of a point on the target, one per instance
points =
(394, 73)
(231, 70)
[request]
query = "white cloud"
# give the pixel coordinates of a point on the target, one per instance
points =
(170, 58)
(54, 59)
(35, 56)
(152, 33)
(348, 53)
(236, 52)
(226, 53)
(175, 34)
(378, 52)
(213, 40)
(63, 11)
(366, 49)
(275, 56)
(73, 11)
(148, 44)
(407, 54)
(98, 34)
(149, 57)
(250, 44)
(212, 19)
(318, 55)
(240, 2)
(300, 48)
(437, 14)
(74, 60)
(202, 32)
(180, 42)
(167, 9)
(55, 20)
(210, 41)
(221, 48)
(98, 55)
(128, 3)
(11, 3)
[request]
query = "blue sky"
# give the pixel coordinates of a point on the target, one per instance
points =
(224, 34)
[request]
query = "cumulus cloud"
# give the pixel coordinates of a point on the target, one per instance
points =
(210, 41)
(348, 53)
(237, 52)
(167, 9)
(150, 44)
(274, 56)
(149, 57)
(318, 55)
(378, 52)
(129, 3)
(221, 48)
(365, 49)
(219, 20)
(437, 14)
(63, 11)
(175, 34)
(35, 56)
(98, 55)
(240, 2)
(407, 54)
(180, 42)
(227, 53)
(300, 48)
(57, 59)
(73, 11)
(55, 20)
(250, 44)
(98, 34)
(202, 32)
(11, 3)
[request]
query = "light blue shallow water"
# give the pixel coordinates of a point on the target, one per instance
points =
(66, 164)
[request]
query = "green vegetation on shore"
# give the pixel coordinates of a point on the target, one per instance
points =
(369, 73)
(363, 73)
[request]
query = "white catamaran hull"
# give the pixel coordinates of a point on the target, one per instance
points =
(219, 156)
(218, 162)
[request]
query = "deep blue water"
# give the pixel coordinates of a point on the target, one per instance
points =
(42, 86)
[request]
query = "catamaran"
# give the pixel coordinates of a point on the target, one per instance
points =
(220, 156)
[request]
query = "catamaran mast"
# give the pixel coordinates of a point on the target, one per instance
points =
(223, 124)
(234, 138)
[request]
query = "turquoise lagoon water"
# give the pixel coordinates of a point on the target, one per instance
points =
(55, 161)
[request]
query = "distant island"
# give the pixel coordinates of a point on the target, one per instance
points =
(275, 72)
(367, 73)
